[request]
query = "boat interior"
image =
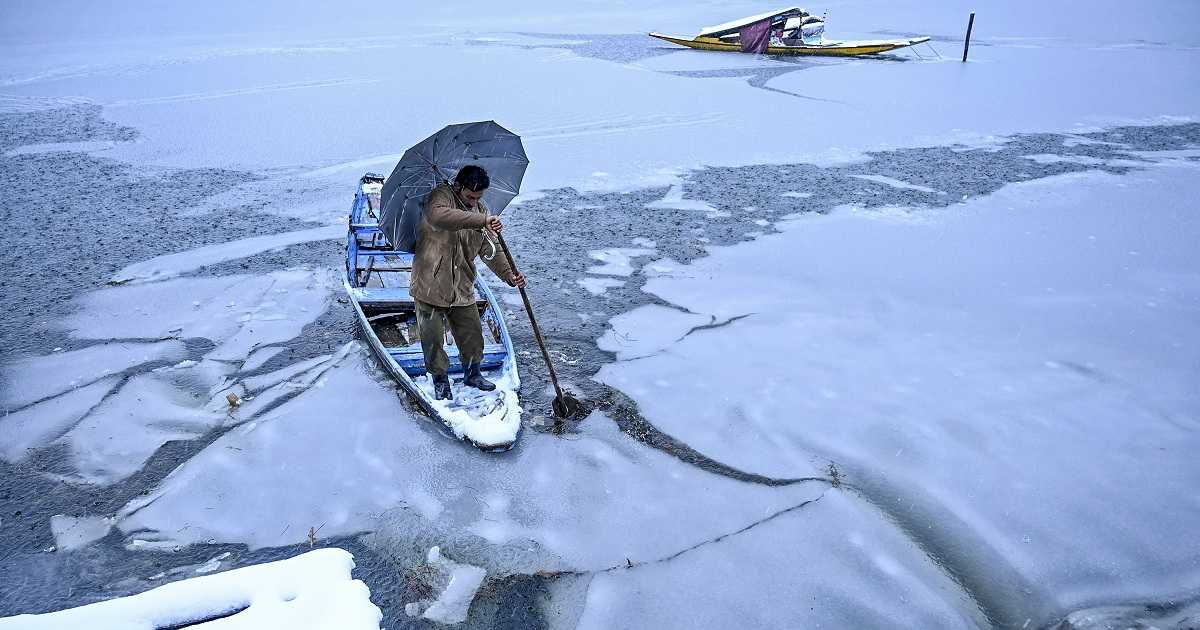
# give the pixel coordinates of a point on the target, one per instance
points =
(379, 282)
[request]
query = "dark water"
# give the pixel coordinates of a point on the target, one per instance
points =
(71, 220)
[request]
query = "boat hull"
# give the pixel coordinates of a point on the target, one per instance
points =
(420, 394)
(385, 312)
(833, 49)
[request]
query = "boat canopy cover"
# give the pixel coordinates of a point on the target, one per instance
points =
(737, 25)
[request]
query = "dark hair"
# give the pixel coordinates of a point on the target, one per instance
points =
(473, 178)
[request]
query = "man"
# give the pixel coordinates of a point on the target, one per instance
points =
(449, 238)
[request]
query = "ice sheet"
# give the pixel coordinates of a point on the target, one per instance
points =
(42, 423)
(955, 369)
(591, 500)
(238, 313)
(259, 357)
(115, 440)
(831, 564)
(659, 327)
(263, 381)
(36, 378)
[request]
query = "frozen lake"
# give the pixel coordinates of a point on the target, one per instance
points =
(895, 342)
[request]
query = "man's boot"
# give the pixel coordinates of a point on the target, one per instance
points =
(475, 379)
(441, 387)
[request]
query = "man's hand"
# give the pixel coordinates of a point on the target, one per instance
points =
(494, 224)
(517, 280)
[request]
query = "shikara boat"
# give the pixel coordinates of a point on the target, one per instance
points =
(791, 31)
(376, 281)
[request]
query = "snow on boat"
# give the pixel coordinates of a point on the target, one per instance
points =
(314, 590)
(377, 279)
(791, 31)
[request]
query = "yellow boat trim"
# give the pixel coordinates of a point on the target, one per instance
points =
(848, 49)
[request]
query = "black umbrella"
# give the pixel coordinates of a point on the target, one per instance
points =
(437, 159)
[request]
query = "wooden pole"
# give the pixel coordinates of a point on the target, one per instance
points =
(967, 42)
(565, 405)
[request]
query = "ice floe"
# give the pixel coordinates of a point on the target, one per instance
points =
(674, 200)
(455, 585)
(72, 532)
(85, 146)
(237, 313)
(894, 183)
(34, 378)
(39, 425)
(617, 260)
(116, 438)
(599, 286)
(171, 265)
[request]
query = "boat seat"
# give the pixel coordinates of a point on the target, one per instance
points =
(405, 257)
(382, 296)
(412, 359)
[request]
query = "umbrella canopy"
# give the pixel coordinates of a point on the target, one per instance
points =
(437, 159)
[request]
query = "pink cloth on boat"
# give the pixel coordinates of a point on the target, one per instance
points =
(756, 37)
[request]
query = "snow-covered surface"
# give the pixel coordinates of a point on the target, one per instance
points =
(488, 419)
(740, 22)
(986, 337)
(313, 590)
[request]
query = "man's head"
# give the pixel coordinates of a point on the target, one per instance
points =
(472, 182)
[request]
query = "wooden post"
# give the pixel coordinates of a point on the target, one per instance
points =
(967, 42)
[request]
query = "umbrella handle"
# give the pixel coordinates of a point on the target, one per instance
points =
(491, 244)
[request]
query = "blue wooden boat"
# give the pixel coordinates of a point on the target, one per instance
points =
(376, 281)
